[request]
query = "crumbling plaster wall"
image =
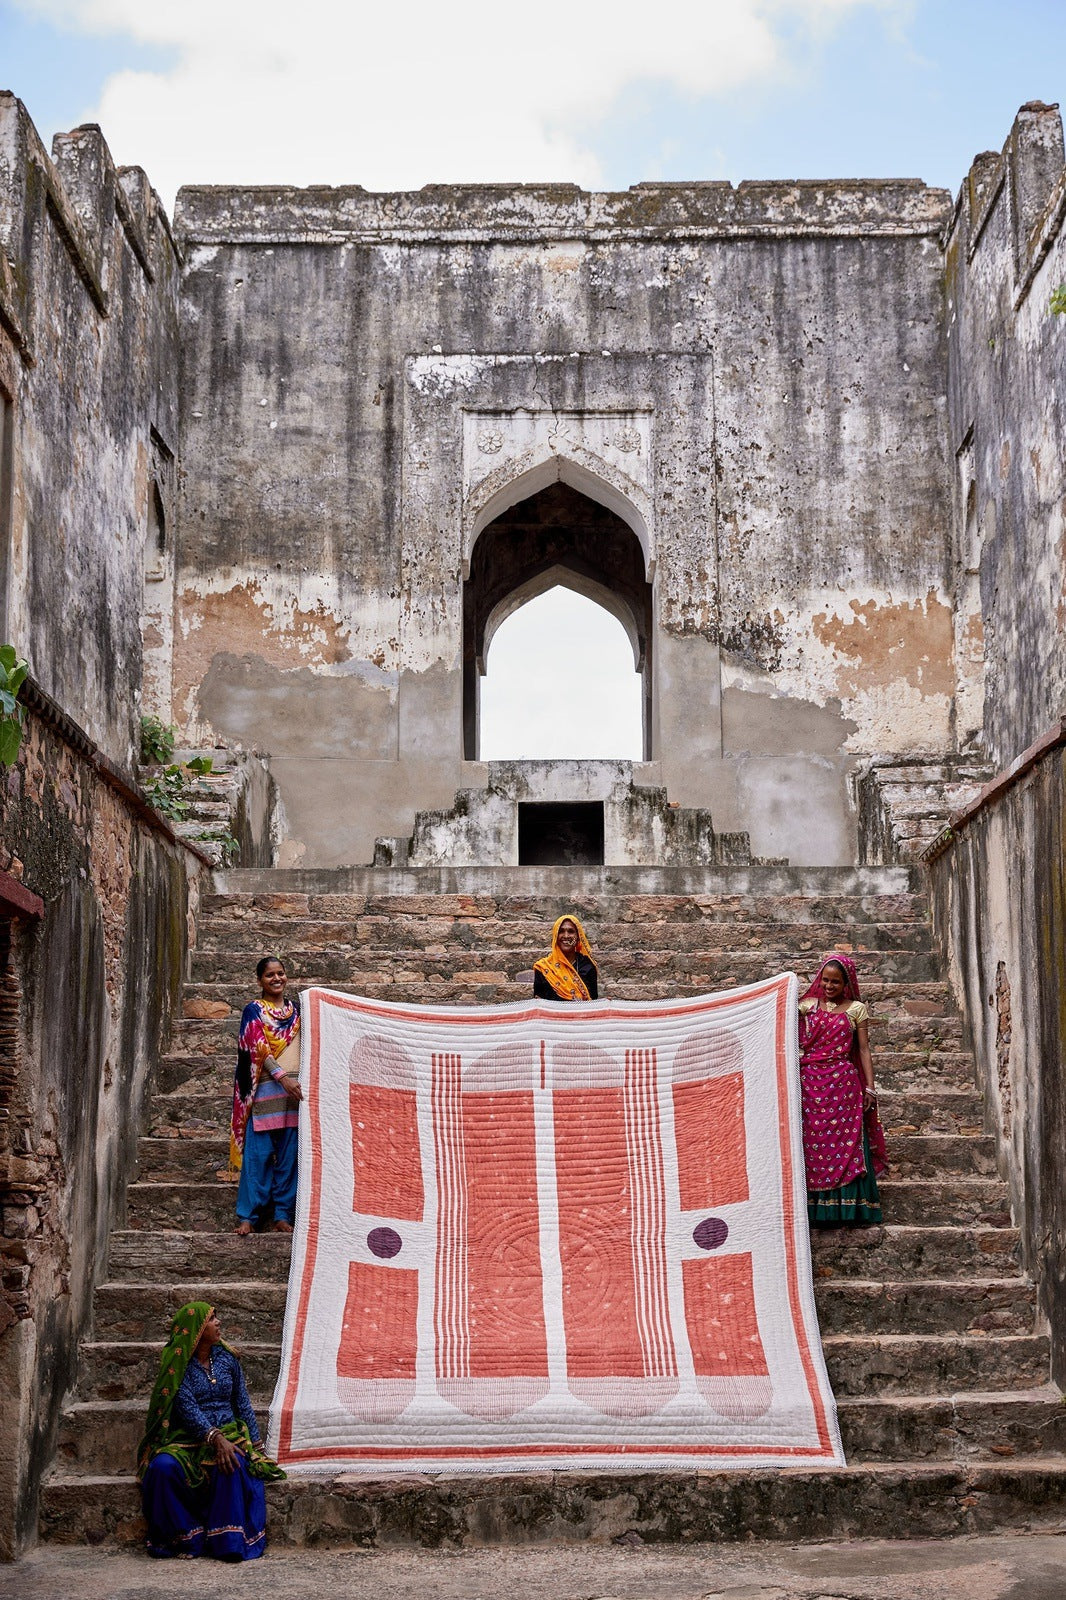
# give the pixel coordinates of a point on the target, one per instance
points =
(1006, 252)
(999, 905)
(640, 826)
(777, 350)
(88, 364)
(88, 381)
(998, 882)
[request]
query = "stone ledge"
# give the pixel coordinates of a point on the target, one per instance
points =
(870, 1500)
(546, 213)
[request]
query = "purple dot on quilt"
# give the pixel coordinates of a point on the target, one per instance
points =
(384, 1242)
(710, 1233)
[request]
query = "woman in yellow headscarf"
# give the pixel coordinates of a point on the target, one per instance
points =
(568, 972)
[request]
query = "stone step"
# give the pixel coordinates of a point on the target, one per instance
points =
(913, 1156)
(744, 896)
(892, 1252)
(929, 1155)
(884, 1364)
(95, 1436)
(868, 1500)
(902, 976)
(940, 1364)
(180, 1257)
(253, 1311)
(895, 975)
(203, 1107)
(195, 1198)
(961, 1427)
(896, 1251)
(930, 1110)
(239, 943)
(943, 1306)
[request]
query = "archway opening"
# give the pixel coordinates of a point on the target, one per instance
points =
(561, 685)
(561, 580)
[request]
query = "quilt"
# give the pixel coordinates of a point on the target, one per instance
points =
(551, 1237)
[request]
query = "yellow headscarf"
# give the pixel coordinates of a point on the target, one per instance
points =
(560, 973)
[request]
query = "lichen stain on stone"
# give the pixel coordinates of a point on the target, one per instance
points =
(757, 641)
(909, 642)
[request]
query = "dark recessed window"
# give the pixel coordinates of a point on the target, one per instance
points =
(561, 835)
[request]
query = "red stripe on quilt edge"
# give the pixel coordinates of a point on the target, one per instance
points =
(799, 1323)
(311, 1246)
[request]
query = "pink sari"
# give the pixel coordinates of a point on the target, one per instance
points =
(832, 1089)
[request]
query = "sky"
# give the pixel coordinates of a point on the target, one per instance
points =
(605, 93)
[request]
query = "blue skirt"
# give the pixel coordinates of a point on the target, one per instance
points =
(225, 1517)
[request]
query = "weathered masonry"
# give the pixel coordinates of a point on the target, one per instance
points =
(780, 431)
(403, 415)
(278, 470)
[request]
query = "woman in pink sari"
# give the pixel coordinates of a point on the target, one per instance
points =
(843, 1141)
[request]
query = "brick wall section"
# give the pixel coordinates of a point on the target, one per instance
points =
(86, 995)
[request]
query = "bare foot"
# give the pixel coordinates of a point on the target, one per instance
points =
(282, 1227)
(244, 1228)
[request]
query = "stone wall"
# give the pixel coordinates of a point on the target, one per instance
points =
(999, 900)
(752, 380)
(87, 990)
(998, 879)
(94, 890)
(1006, 252)
(88, 387)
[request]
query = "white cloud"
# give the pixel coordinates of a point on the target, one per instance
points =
(395, 96)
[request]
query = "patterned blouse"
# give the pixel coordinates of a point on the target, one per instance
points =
(261, 1025)
(858, 1011)
(201, 1404)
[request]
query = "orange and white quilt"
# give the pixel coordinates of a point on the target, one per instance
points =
(551, 1236)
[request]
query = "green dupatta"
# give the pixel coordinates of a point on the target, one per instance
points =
(162, 1432)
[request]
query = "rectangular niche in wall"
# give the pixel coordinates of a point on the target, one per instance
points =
(560, 835)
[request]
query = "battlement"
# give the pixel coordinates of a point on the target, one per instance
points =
(546, 212)
(88, 387)
(88, 203)
(1023, 186)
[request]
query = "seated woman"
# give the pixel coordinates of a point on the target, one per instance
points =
(568, 971)
(843, 1141)
(264, 1122)
(200, 1463)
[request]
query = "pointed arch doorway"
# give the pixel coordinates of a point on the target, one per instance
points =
(556, 536)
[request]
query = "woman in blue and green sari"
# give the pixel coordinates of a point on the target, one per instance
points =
(201, 1465)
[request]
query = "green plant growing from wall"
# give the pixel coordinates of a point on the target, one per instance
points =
(1058, 300)
(157, 742)
(168, 789)
(13, 672)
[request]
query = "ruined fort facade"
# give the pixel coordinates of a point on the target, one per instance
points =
(277, 468)
(792, 435)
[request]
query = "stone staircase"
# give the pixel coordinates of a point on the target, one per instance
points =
(904, 803)
(227, 811)
(932, 1336)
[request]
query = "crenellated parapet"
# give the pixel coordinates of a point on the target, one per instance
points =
(1025, 183)
(79, 195)
(89, 275)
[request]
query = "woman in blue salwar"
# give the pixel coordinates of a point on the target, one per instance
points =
(201, 1465)
(264, 1142)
